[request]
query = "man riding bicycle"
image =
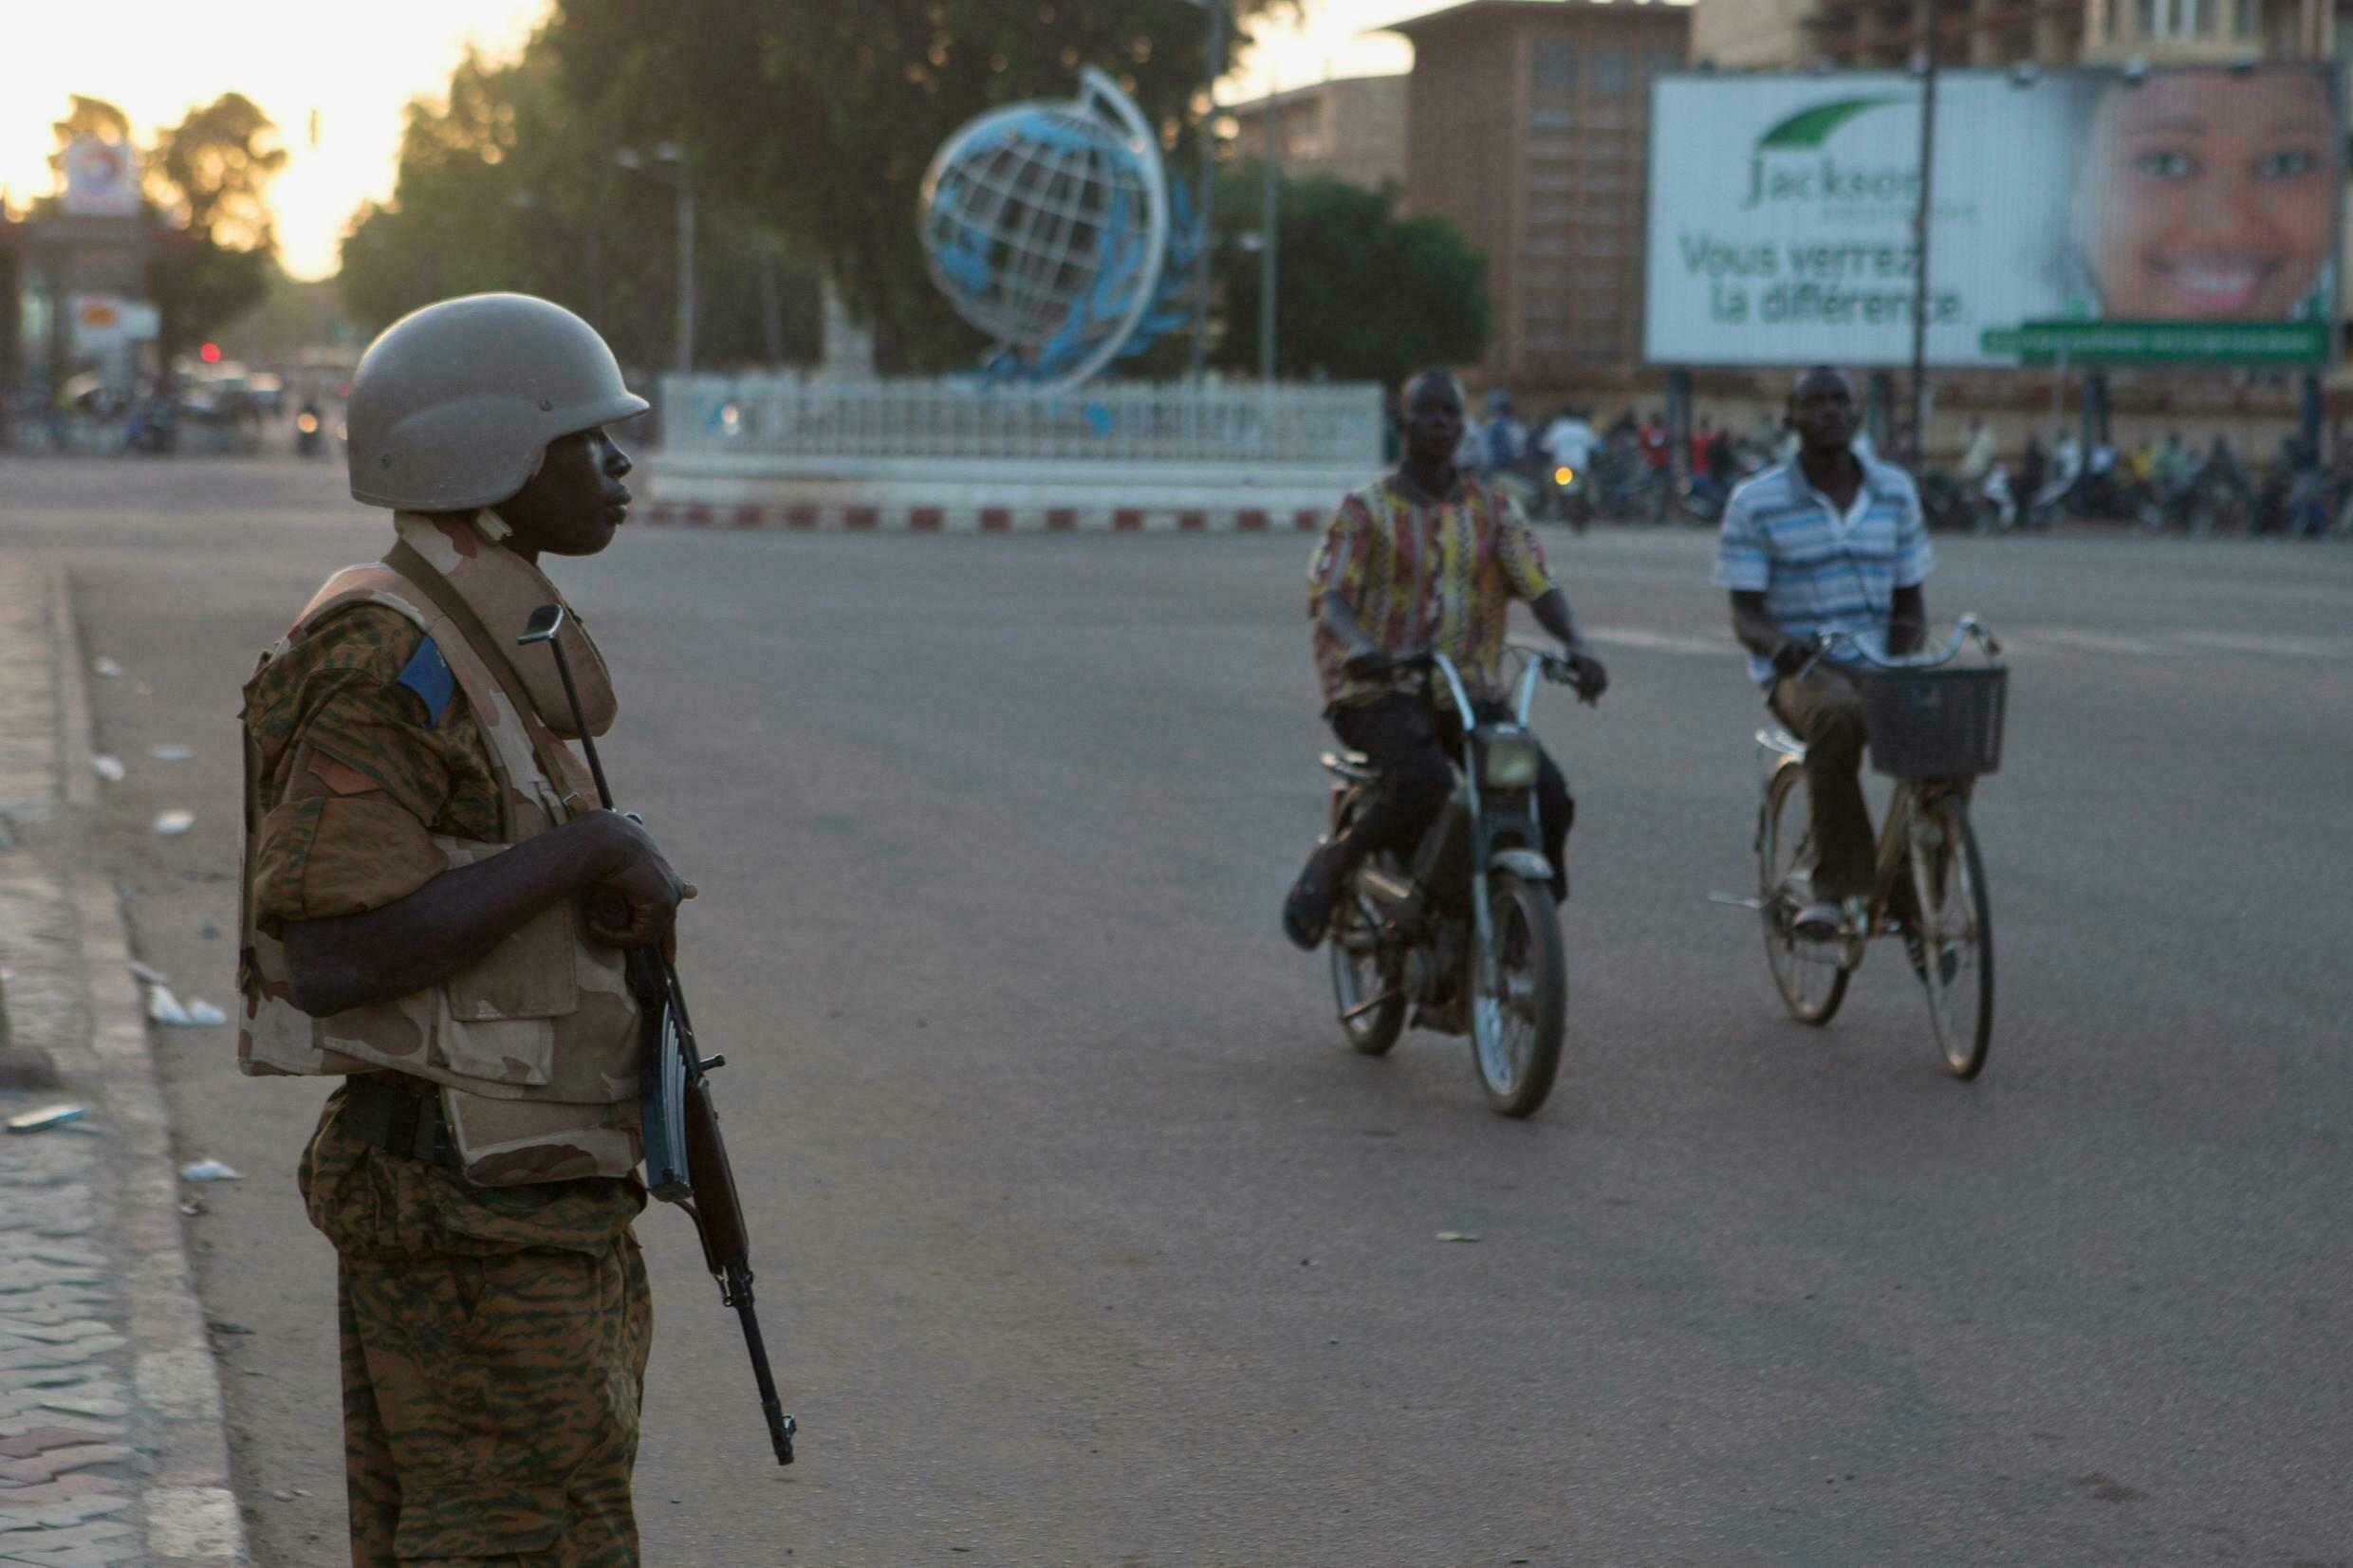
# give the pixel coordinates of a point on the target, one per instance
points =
(1829, 543)
(1427, 558)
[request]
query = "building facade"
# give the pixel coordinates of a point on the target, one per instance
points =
(1529, 128)
(1352, 129)
(1799, 34)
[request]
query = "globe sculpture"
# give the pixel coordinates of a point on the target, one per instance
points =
(1048, 226)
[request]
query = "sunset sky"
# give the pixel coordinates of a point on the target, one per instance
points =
(358, 65)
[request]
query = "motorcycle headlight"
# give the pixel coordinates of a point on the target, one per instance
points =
(1564, 476)
(1510, 760)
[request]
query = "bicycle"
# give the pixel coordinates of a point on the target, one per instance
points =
(1934, 729)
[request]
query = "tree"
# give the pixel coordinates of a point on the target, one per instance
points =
(824, 114)
(89, 117)
(504, 185)
(214, 168)
(212, 173)
(1361, 294)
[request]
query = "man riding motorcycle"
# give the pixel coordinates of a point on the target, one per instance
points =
(1426, 558)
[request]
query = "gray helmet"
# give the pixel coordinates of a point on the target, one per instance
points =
(453, 405)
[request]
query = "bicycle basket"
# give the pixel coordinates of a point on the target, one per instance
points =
(1935, 724)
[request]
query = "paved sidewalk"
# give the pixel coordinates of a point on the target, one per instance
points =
(112, 1449)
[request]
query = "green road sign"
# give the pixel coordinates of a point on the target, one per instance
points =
(2163, 343)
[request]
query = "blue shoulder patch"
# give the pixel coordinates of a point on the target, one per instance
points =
(428, 675)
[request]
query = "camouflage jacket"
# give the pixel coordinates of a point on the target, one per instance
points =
(381, 752)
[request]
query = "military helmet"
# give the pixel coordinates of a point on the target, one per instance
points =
(453, 405)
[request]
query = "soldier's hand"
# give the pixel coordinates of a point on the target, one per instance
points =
(635, 902)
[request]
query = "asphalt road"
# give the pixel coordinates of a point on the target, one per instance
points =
(1084, 1239)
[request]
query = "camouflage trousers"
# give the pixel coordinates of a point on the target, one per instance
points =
(494, 1346)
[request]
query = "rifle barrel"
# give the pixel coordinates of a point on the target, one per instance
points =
(780, 1425)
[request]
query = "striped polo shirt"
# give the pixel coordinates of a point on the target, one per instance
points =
(1819, 571)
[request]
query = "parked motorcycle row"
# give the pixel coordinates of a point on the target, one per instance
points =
(1624, 478)
(2168, 491)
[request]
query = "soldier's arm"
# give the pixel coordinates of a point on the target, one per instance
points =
(445, 926)
(347, 871)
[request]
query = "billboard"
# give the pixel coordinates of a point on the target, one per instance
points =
(101, 179)
(2159, 216)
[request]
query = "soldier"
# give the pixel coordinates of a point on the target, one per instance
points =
(433, 911)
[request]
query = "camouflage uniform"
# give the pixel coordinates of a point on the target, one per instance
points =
(493, 1339)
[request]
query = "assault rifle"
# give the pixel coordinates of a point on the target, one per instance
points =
(685, 1156)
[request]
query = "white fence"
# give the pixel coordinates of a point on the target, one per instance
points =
(794, 416)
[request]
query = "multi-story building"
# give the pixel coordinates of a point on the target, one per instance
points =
(1530, 123)
(1352, 128)
(1790, 34)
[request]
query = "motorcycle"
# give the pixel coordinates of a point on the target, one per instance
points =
(1569, 496)
(1466, 936)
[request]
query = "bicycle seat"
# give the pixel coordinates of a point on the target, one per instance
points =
(1353, 766)
(1779, 739)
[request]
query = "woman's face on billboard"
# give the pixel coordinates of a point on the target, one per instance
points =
(2211, 195)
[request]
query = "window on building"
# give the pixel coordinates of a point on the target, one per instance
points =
(2163, 20)
(1553, 67)
(1303, 134)
(1610, 68)
(2243, 18)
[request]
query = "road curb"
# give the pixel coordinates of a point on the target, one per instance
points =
(192, 1520)
(817, 517)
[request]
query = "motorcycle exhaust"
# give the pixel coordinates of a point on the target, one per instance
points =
(1397, 898)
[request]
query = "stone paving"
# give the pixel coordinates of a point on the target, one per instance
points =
(111, 1443)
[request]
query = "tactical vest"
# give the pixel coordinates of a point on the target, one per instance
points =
(536, 1047)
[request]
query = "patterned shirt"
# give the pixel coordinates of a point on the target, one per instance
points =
(1424, 574)
(1819, 571)
(358, 772)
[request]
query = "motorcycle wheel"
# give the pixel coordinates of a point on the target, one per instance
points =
(1517, 1023)
(1365, 980)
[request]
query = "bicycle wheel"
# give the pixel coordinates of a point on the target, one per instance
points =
(1517, 1023)
(1809, 975)
(1956, 934)
(1368, 995)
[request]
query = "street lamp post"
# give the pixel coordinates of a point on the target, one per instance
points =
(1269, 220)
(1211, 61)
(668, 154)
(1922, 221)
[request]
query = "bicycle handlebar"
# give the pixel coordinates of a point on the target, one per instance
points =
(1541, 661)
(1963, 629)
